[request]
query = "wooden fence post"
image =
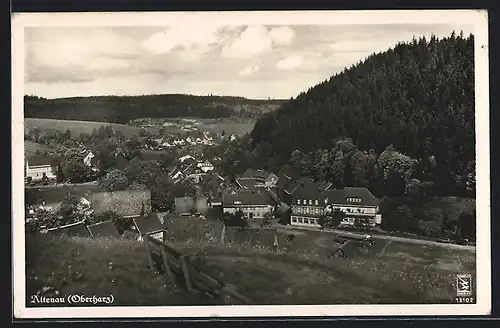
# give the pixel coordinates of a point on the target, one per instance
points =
(223, 234)
(185, 266)
(145, 240)
(168, 271)
(164, 235)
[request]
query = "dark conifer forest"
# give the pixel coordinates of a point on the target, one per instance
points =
(122, 109)
(412, 106)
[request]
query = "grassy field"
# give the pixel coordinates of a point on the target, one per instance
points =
(53, 196)
(77, 127)
(81, 266)
(30, 148)
(393, 273)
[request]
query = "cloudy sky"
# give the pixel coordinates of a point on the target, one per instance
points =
(251, 61)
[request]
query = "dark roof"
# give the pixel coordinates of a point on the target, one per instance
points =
(292, 186)
(247, 183)
(308, 191)
(341, 196)
(148, 224)
(284, 181)
(259, 174)
(78, 229)
(123, 202)
(37, 160)
(104, 229)
(183, 204)
(245, 197)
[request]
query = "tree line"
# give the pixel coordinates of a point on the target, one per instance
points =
(122, 109)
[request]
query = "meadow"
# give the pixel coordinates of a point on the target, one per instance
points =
(300, 273)
(31, 148)
(78, 127)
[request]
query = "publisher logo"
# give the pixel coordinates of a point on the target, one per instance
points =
(464, 285)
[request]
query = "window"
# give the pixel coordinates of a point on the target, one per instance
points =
(306, 220)
(298, 201)
(310, 202)
(294, 219)
(316, 202)
(300, 220)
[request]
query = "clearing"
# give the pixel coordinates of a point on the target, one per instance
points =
(77, 127)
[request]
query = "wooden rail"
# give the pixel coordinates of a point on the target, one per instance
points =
(179, 267)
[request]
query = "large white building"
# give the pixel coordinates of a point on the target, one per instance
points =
(38, 167)
(253, 205)
(310, 202)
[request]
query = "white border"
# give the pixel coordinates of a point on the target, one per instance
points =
(476, 18)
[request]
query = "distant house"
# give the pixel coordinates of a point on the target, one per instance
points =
(253, 205)
(104, 229)
(262, 178)
(38, 167)
(186, 157)
(206, 166)
(125, 203)
(90, 160)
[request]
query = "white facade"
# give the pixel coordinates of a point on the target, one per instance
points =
(250, 211)
(36, 173)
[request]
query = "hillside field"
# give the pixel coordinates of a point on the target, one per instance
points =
(30, 148)
(394, 273)
(77, 127)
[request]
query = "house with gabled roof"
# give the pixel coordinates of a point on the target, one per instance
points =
(254, 205)
(206, 166)
(39, 167)
(104, 229)
(77, 229)
(125, 203)
(149, 225)
(310, 202)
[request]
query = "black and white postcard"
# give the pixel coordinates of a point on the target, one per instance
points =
(251, 164)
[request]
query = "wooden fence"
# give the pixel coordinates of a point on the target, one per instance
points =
(178, 267)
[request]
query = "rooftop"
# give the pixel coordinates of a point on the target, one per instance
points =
(365, 197)
(104, 229)
(245, 197)
(148, 224)
(40, 160)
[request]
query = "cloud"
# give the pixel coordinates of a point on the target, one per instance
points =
(282, 35)
(256, 39)
(186, 37)
(250, 70)
(290, 63)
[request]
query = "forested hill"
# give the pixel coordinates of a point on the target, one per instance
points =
(417, 96)
(118, 109)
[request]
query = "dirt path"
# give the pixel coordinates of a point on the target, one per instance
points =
(398, 239)
(382, 252)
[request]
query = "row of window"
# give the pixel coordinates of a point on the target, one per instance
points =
(305, 220)
(305, 202)
(316, 202)
(309, 210)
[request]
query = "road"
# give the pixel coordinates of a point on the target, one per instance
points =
(394, 238)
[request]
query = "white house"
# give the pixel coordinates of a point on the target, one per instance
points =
(253, 205)
(184, 158)
(205, 166)
(38, 167)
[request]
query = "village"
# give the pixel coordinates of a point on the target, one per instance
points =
(256, 198)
